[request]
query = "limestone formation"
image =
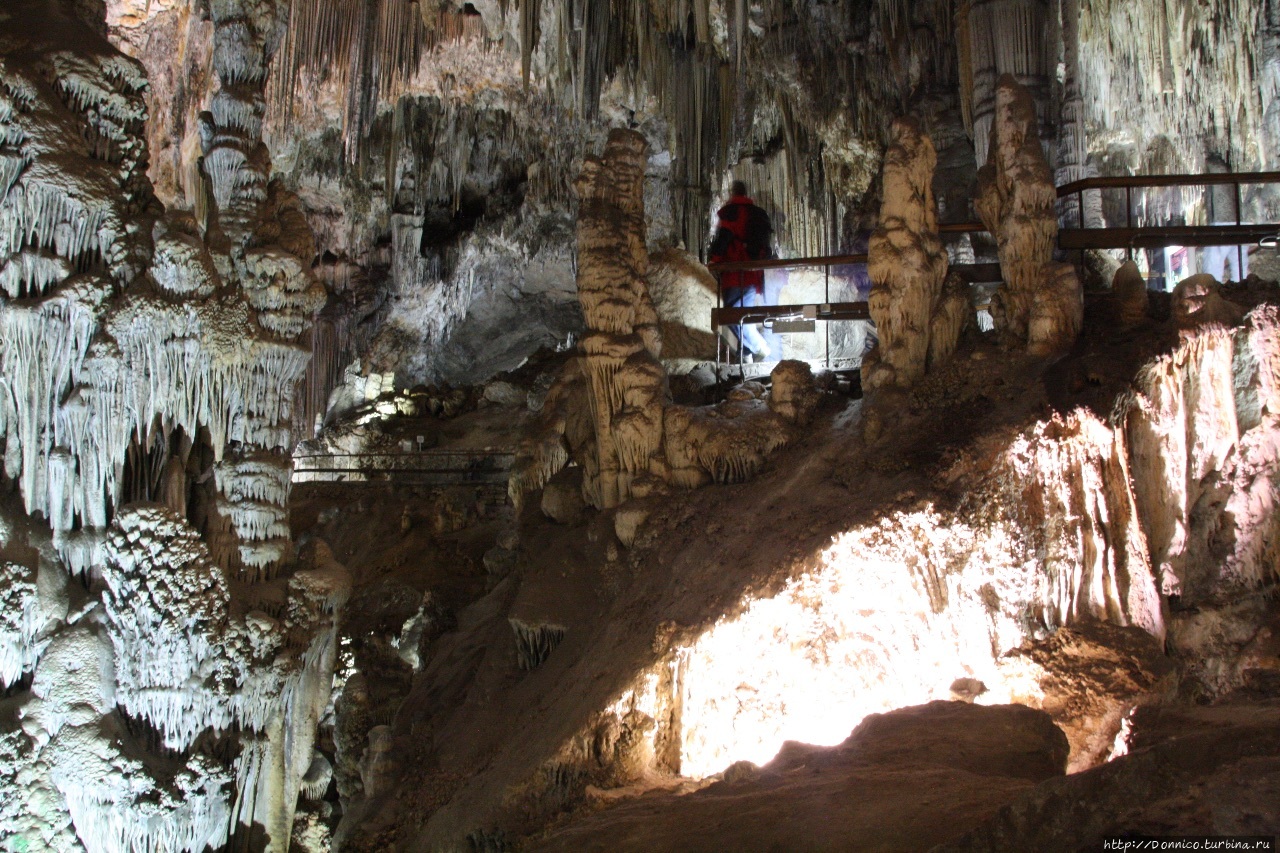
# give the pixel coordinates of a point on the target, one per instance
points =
(1203, 460)
(684, 294)
(793, 395)
(176, 671)
(1129, 296)
(1057, 310)
(1039, 304)
(1197, 301)
(636, 442)
(146, 410)
(996, 38)
(622, 342)
(916, 320)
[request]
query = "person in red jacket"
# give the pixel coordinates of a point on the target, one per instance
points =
(743, 234)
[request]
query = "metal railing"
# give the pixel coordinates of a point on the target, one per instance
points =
(825, 310)
(1129, 238)
(428, 467)
(1132, 237)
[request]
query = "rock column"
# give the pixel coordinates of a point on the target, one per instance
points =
(1040, 302)
(261, 238)
(1001, 37)
(917, 324)
(621, 346)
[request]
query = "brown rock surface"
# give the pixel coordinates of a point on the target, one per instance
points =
(1129, 292)
(1223, 780)
(1088, 677)
(905, 780)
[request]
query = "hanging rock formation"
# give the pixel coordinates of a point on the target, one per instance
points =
(1040, 302)
(917, 323)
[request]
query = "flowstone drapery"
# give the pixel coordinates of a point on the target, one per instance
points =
(917, 322)
(1040, 302)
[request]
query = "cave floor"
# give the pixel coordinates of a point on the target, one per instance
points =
(468, 723)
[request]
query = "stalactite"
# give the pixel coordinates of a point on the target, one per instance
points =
(21, 622)
(1166, 63)
(534, 643)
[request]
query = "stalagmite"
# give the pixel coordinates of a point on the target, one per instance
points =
(1196, 301)
(1129, 296)
(1040, 303)
(609, 411)
(793, 395)
(622, 343)
(1002, 37)
(908, 265)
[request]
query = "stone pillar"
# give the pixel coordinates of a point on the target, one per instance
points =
(1073, 144)
(998, 37)
(1040, 303)
(1269, 73)
(622, 343)
(908, 265)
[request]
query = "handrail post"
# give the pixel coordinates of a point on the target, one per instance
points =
(1239, 246)
(826, 327)
(719, 337)
(1128, 219)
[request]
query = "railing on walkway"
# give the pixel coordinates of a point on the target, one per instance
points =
(428, 467)
(826, 310)
(1156, 236)
(1130, 237)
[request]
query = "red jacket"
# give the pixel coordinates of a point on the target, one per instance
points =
(742, 234)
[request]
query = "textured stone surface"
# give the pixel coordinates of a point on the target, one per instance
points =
(905, 780)
(1040, 302)
(1221, 781)
(917, 321)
